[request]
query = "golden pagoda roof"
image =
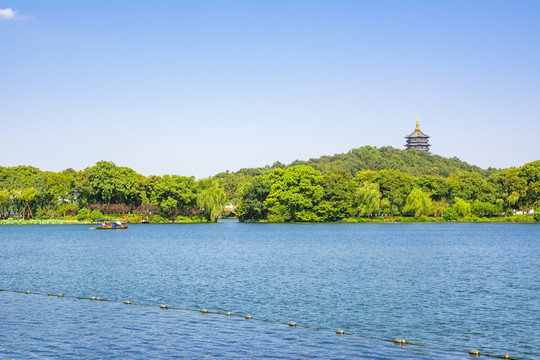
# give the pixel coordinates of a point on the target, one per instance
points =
(417, 132)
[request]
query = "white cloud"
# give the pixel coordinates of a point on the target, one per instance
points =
(7, 14)
(10, 14)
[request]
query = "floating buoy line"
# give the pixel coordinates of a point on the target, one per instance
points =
(398, 341)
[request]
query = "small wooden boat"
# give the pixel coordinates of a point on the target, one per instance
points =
(111, 224)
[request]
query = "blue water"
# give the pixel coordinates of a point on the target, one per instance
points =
(448, 286)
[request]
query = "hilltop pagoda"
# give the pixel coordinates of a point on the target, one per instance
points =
(417, 140)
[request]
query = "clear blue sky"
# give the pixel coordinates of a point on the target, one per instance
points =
(199, 87)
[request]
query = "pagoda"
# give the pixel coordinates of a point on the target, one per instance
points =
(417, 140)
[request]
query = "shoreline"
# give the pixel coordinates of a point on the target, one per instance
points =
(525, 219)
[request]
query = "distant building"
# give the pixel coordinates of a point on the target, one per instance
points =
(417, 140)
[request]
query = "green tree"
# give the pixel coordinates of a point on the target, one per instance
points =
(438, 208)
(480, 208)
(294, 194)
(251, 204)
(411, 162)
(66, 209)
(20, 177)
(395, 186)
(4, 202)
(450, 214)
(95, 214)
(210, 199)
(510, 188)
(338, 193)
(169, 206)
(107, 183)
(386, 207)
(418, 203)
(59, 187)
(531, 174)
(435, 186)
(83, 214)
(367, 199)
(26, 197)
(470, 187)
(174, 194)
(232, 184)
(462, 207)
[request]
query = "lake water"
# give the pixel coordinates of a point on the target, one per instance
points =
(447, 286)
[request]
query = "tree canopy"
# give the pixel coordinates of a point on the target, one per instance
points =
(364, 182)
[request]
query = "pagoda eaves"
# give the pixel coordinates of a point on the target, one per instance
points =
(417, 140)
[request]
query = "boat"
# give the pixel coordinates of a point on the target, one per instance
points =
(111, 224)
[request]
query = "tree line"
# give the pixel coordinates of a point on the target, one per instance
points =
(301, 193)
(106, 189)
(364, 183)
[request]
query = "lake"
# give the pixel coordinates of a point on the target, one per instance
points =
(451, 287)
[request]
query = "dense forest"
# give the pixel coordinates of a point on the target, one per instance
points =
(363, 184)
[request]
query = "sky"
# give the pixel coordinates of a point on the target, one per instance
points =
(195, 88)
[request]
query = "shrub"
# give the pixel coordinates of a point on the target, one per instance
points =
(94, 215)
(537, 215)
(472, 218)
(157, 219)
(450, 214)
(134, 218)
(83, 214)
(183, 219)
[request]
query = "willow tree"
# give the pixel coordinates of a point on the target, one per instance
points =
(367, 199)
(462, 207)
(210, 199)
(418, 202)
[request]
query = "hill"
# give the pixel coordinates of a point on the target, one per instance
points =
(411, 162)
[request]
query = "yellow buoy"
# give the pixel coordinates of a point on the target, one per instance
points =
(248, 317)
